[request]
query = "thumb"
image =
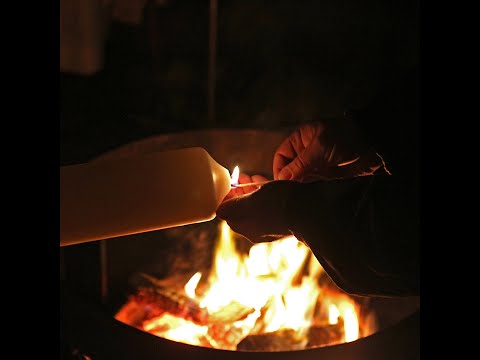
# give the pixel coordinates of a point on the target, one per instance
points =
(234, 208)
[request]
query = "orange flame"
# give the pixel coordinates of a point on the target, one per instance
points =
(275, 285)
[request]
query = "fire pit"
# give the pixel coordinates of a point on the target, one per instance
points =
(205, 291)
(275, 297)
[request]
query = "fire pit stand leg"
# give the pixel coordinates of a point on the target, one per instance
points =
(103, 271)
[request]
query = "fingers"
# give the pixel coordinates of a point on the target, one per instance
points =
(234, 208)
(260, 215)
(259, 178)
(308, 157)
(249, 232)
(268, 202)
(286, 152)
(245, 179)
(298, 152)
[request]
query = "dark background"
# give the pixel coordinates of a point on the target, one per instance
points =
(279, 63)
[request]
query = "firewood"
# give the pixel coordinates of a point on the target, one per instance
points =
(173, 303)
(289, 339)
(230, 313)
(224, 336)
(280, 340)
(176, 303)
(326, 335)
(132, 313)
(160, 326)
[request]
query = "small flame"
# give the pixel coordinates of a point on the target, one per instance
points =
(333, 314)
(235, 175)
(347, 309)
(191, 285)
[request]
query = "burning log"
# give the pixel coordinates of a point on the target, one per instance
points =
(164, 300)
(166, 308)
(161, 299)
(230, 313)
(224, 336)
(132, 313)
(326, 335)
(173, 303)
(289, 339)
(280, 340)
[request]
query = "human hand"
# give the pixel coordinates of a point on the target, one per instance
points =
(315, 151)
(260, 215)
(245, 179)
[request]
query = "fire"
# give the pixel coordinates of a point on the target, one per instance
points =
(235, 175)
(251, 301)
(191, 285)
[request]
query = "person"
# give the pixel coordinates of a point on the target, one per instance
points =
(348, 189)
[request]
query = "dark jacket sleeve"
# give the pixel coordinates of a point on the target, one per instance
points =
(365, 230)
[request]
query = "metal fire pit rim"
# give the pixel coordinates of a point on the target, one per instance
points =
(408, 320)
(115, 337)
(136, 144)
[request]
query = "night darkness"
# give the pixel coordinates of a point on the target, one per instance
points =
(279, 63)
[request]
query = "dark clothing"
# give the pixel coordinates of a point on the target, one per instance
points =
(380, 212)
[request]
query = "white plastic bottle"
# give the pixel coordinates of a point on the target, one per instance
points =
(110, 198)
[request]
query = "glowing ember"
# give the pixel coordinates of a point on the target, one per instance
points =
(267, 300)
